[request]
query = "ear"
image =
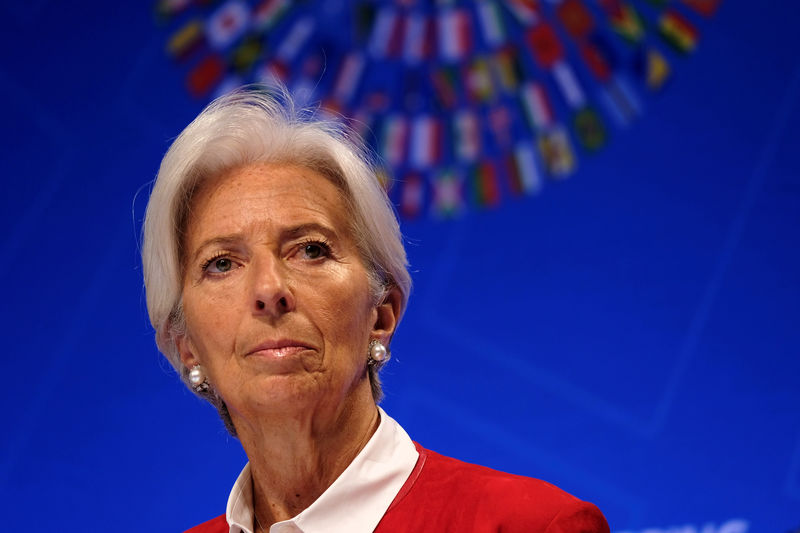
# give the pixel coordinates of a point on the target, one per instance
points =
(387, 315)
(186, 351)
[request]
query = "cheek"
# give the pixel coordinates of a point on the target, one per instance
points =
(209, 324)
(344, 316)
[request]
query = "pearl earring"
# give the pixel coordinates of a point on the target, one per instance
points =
(378, 354)
(198, 379)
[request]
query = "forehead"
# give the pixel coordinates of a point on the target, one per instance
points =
(265, 196)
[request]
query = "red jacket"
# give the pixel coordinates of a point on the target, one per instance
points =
(444, 494)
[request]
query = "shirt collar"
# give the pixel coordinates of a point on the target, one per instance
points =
(356, 501)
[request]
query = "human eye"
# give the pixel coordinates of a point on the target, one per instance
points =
(218, 264)
(314, 249)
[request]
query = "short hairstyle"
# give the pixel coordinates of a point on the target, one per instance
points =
(257, 124)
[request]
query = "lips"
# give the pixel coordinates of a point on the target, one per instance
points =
(278, 348)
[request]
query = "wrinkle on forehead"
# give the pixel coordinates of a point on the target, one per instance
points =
(284, 185)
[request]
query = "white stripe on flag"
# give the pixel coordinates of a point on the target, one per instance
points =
(395, 139)
(535, 103)
(265, 14)
(453, 34)
(348, 77)
(524, 11)
(382, 32)
(297, 37)
(423, 141)
(490, 23)
(467, 135)
(568, 83)
(526, 166)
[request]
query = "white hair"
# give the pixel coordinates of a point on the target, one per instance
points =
(259, 125)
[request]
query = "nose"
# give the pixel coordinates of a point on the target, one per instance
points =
(271, 293)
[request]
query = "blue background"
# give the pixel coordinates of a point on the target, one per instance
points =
(630, 334)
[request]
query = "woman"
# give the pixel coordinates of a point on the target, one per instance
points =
(276, 277)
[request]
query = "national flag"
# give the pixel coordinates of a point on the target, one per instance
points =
(621, 101)
(544, 44)
(397, 36)
(467, 135)
(448, 198)
(205, 76)
(595, 60)
(556, 151)
(707, 8)
(426, 141)
(486, 189)
(575, 18)
(522, 169)
(227, 24)
(624, 19)
(395, 139)
(508, 69)
(186, 41)
(501, 124)
(491, 21)
(412, 195)
(536, 105)
(297, 37)
(589, 129)
(455, 34)
(525, 11)
(383, 32)
(418, 38)
(347, 78)
(444, 84)
(568, 84)
(652, 67)
(478, 80)
(267, 13)
(246, 54)
(678, 31)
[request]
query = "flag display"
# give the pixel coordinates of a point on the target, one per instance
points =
(469, 104)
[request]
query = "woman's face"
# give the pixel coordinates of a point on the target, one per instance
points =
(276, 297)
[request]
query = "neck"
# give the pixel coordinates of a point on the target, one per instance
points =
(294, 460)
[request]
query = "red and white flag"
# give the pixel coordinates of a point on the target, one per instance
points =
(395, 138)
(467, 135)
(348, 77)
(455, 34)
(537, 106)
(425, 141)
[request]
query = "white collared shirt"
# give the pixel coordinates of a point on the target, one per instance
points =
(355, 502)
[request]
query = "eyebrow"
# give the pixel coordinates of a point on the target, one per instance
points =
(291, 232)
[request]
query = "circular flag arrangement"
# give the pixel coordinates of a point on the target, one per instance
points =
(468, 103)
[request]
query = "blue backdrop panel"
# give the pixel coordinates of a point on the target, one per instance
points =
(630, 334)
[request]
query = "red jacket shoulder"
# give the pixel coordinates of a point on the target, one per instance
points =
(445, 494)
(215, 525)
